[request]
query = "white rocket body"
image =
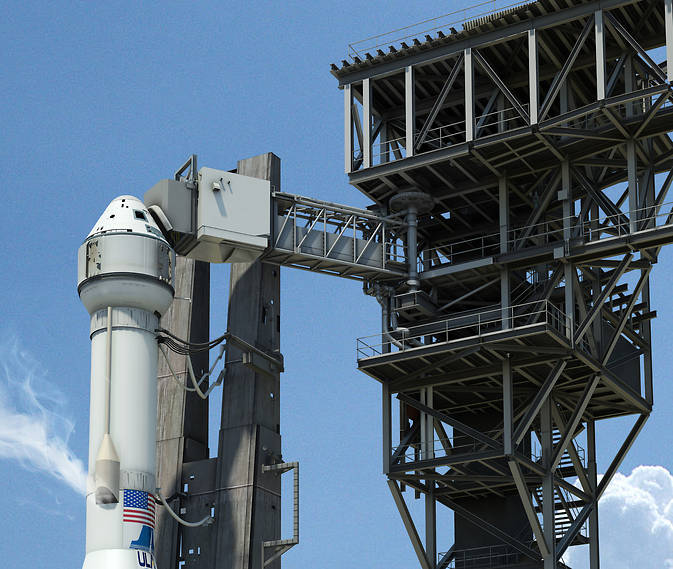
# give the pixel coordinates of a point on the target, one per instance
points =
(125, 270)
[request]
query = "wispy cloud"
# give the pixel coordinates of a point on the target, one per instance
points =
(33, 430)
(635, 521)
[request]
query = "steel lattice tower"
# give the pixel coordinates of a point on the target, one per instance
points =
(529, 152)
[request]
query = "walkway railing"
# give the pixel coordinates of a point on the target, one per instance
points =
(546, 232)
(441, 447)
(336, 233)
(464, 326)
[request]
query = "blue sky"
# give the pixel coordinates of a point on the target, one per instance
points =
(103, 99)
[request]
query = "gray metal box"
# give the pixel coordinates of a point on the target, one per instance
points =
(175, 200)
(233, 217)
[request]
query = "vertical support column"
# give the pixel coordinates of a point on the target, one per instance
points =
(431, 525)
(507, 405)
(430, 424)
(632, 174)
(548, 483)
(668, 17)
(568, 269)
(366, 123)
(424, 429)
(594, 554)
(647, 202)
(533, 79)
(250, 423)
(503, 214)
(647, 334)
(428, 453)
(629, 85)
(500, 104)
(387, 426)
(600, 55)
(469, 96)
(409, 110)
(182, 417)
(427, 425)
(505, 286)
(348, 128)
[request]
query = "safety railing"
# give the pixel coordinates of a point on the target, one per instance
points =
(388, 150)
(441, 447)
(464, 326)
(337, 233)
(459, 18)
(500, 556)
(546, 232)
(536, 453)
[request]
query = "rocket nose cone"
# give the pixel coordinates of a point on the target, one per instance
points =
(126, 214)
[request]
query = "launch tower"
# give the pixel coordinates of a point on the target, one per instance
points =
(529, 153)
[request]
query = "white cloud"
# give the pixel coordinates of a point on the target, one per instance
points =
(32, 430)
(636, 522)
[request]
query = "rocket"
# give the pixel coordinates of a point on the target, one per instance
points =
(125, 281)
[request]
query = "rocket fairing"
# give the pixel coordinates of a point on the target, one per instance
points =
(125, 280)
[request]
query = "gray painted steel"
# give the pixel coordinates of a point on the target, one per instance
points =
(531, 322)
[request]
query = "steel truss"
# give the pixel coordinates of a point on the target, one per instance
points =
(542, 135)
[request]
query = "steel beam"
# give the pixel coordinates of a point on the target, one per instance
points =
(598, 302)
(594, 552)
(386, 422)
(508, 406)
(650, 63)
(626, 313)
(366, 123)
(469, 94)
(403, 446)
(455, 423)
(570, 429)
(539, 400)
(490, 528)
(348, 129)
(668, 22)
(524, 494)
(548, 500)
(409, 525)
(533, 77)
(486, 66)
(436, 107)
(600, 55)
(563, 74)
(409, 110)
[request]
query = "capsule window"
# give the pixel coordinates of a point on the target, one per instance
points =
(139, 215)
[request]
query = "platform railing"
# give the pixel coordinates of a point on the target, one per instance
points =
(500, 556)
(457, 18)
(464, 326)
(546, 232)
(444, 446)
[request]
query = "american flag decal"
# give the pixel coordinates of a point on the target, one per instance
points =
(138, 507)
